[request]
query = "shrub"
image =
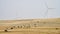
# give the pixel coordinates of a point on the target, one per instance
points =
(5, 30)
(11, 28)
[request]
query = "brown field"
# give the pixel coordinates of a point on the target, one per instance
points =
(30, 26)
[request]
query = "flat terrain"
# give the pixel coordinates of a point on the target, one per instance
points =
(30, 26)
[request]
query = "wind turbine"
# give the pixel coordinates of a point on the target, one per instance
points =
(46, 13)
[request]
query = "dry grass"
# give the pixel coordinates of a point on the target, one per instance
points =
(47, 26)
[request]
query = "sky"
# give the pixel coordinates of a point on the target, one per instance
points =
(20, 9)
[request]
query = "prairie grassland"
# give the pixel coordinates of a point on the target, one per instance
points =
(36, 26)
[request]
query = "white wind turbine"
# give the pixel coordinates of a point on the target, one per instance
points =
(47, 10)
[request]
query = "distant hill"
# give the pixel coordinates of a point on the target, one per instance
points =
(29, 20)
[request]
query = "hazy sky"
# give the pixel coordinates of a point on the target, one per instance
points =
(14, 9)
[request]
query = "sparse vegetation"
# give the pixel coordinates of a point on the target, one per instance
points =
(18, 26)
(5, 30)
(35, 25)
(11, 27)
(56, 28)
